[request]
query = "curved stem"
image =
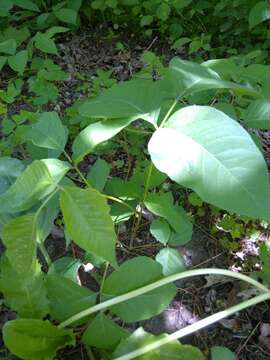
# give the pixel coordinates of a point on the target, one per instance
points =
(169, 112)
(157, 284)
(195, 327)
(86, 182)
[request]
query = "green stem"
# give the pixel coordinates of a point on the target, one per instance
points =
(195, 327)
(169, 112)
(157, 284)
(86, 182)
(103, 278)
(138, 131)
(40, 244)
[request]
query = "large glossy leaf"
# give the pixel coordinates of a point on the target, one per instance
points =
(87, 218)
(95, 134)
(131, 275)
(162, 205)
(67, 298)
(170, 351)
(205, 150)
(103, 333)
(186, 77)
(136, 98)
(19, 239)
(38, 180)
(259, 13)
(49, 132)
(33, 339)
(24, 293)
(257, 115)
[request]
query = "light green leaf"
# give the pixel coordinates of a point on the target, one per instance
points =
(222, 353)
(257, 115)
(67, 267)
(49, 132)
(186, 77)
(162, 205)
(95, 134)
(87, 218)
(5, 6)
(33, 339)
(68, 16)
(132, 275)
(205, 150)
(55, 30)
(10, 169)
(67, 298)
(103, 333)
(38, 180)
(171, 260)
(160, 229)
(45, 44)
(173, 350)
(18, 62)
(98, 174)
(24, 293)
(8, 47)
(26, 4)
(19, 239)
(259, 13)
(135, 98)
(3, 60)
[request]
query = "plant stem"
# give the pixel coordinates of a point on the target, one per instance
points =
(86, 182)
(40, 244)
(45, 254)
(157, 284)
(169, 112)
(138, 220)
(195, 327)
(103, 278)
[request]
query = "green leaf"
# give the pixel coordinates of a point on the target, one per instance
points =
(26, 4)
(95, 134)
(132, 275)
(259, 13)
(67, 298)
(103, 333)
(135, 98)
(160, 229)
(18, 62)
(68, 16)
(257, 115)
(3, 60)
(48, 132)
(162, 205)
(38, 180)
(35, 339)
(19, 239)
(88, 221)
(55, 30)
(186, 77)
(8, 47)
(222, 353)
(10, 169)
(98, 174)
(171, 260)
(5, 6)
(205, 150)
(173, 350)
(45, 44)
(163, 11)
(67, 267)
(24, 293)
